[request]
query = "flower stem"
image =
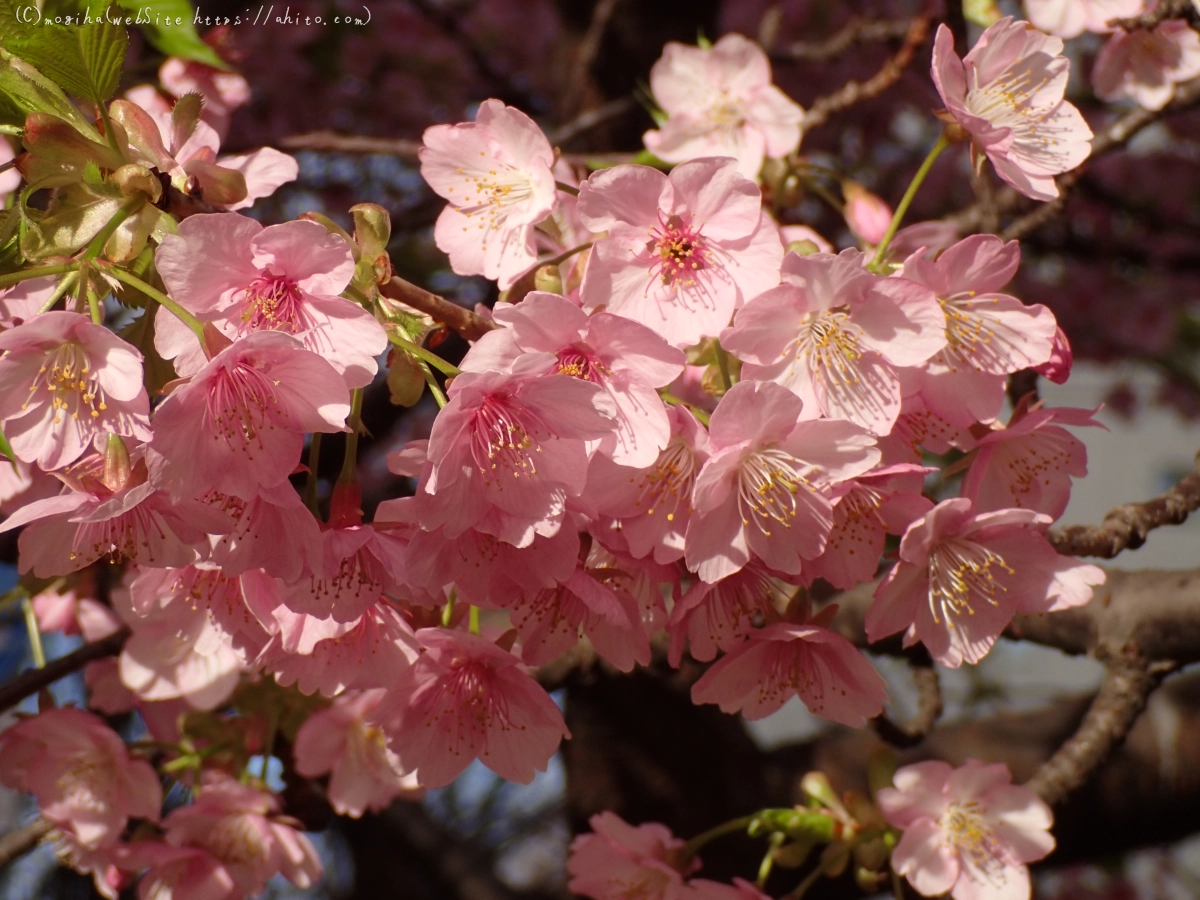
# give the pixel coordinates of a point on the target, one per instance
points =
(433, 385)
(942, 143)
(692, 847)
(566, 254)
(350, 460)
(35, 633)
(566, 188)
(723, 365)
(421, 353)
(768, 860)
(473, 620)
(310, 480)
(701, 415)
(172, 307)
(25, 274)
(63, 286)
(448, 610)
(128, 208)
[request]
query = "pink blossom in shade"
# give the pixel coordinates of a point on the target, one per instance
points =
(963, 575)
(81, 773)
(330, 657)
(179, 873)
(1145, 65)
(273, 531)
(683, 250)
(785, 659)
(761, 492)
(223, 92)
(496, 174)
(1071, 18)
(645, 581)
(101, 864)
(918, 427)
(716, 616)
(1058, 367)
(929, 238)
(1030, 464)
(90, 521)
(238, 426)
(241, 827)
(836, 335)
(652, 505)
(968, 831)
(519, 444)
(1007, 93)
(359, 563)
(465, 698)
(23, 301)
(866, 510)
(866, 214)
(106, 692)
(618, 860)
(193, 636)
(548, 334)
(988, 333)
(720, 101)
(551, 621)
(245, 278)
(22, 483)
(364, 774)
(64, 380)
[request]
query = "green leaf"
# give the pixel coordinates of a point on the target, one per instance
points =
(12, 28)
(7, 451)
(27, 90)
(85, 60)
(158, 20)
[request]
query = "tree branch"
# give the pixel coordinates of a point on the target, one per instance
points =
(471, 326)
(585, 54)
(1127, 526)
(351, 143)
(1166, 9)
(29, 683)
(857, 31)
(929, 709)
(854, 92)
(18, 843)
(589, 119)
(1123, 694)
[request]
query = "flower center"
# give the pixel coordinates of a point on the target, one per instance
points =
(239, 405)
(669, 482)
(273, 302)
(677, 252)
(579, 362)
(88, 783)
(961, 572)
(237, 839)
(965, 830)
(1006, 101)
(501, 440)
(767, 484)
(830, 346)
(490, 195)
(67, 377)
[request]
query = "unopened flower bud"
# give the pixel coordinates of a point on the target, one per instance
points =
(866, 214)
(549, 279)
(803, 248)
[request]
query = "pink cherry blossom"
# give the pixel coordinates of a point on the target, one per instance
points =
(988, 333)
(865, 510)
(179, 873)
(835, 335)
(465, 698)
(709, 248)
(244, 278)
(223, 92)
(551, 621)
(515, 445)
(240, 827)
(1145, 65)
(364, 772)
(548, 334)
(963, 575)
(1007, 93)
(193, 636)
(64, 380)
(968, 831)
(239, 424)
(761, 490)
(1070, 18)
(617, 860)
(321, 655)
(272, 530)
(723, 614)
(23, 301)
(652, 506)
(359, 563)
(496, 174)
(90, 520)
(1029, 464)
(720, 101)
(81, 773)
(787, 659)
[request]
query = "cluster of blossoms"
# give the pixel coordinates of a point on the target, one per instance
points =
(662, 441)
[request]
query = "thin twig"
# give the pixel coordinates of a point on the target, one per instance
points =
(29, 683)
(18, 843)
(464, 321)
(929, 709)
(1127, 685)
(585, 55)
(1126, 527)
(856, 31)
(1165, 9)
(854, 92)
(589, 119)
(351, 143)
